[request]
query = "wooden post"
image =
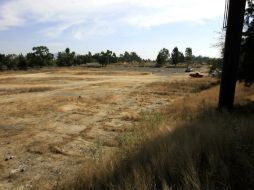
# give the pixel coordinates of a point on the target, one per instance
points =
(231, 53)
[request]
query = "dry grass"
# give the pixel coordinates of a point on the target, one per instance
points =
(187, 146)
(98, 124)
(109, 73)
(179, 87)
(20, 90)
(41, 81)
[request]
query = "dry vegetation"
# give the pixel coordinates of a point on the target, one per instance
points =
(54, 120)
(119, 130)
(185, 146)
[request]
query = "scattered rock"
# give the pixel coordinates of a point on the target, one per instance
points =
(21, 168)
(8, 157)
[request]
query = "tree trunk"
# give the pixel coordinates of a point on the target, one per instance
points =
(231, 53)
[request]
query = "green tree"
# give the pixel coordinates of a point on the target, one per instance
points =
(89, 58)
(22, 62)
(2, 64)
(40, 57)
(129, 57)
(135, 57)
(200, 59)
(84, 59)
(80, 59)
(11, 62)
(188, 55)
(175, 56)
(181, 58)
(125, 57)
(246, 69)
(163, 57)
(66, 58)
(105, 58)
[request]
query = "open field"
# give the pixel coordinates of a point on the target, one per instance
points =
(187, 145)
(54, 120)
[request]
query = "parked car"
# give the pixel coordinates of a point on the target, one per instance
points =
(196, 75)
(188, 70)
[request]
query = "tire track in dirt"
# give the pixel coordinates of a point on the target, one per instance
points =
(63, 127)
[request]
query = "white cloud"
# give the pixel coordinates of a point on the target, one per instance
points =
(98, 29)
(88, 18)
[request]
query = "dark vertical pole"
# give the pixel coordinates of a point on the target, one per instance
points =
(231, 53)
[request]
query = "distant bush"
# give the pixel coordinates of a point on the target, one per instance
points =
(129, 57)
(105, 58)
(66, 58)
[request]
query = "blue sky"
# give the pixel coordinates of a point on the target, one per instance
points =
(144, 26)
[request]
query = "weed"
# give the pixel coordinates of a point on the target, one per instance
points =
(95, 150)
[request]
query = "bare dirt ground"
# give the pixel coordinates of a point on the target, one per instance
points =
(53, 120)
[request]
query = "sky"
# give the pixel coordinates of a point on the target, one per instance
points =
(143, 26)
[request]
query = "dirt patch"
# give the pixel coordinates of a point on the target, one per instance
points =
(111, 73)
(78, 115)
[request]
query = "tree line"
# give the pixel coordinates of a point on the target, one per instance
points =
(164, 57)
(41, 57)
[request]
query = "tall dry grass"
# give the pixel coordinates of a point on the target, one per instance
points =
(187, 146)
